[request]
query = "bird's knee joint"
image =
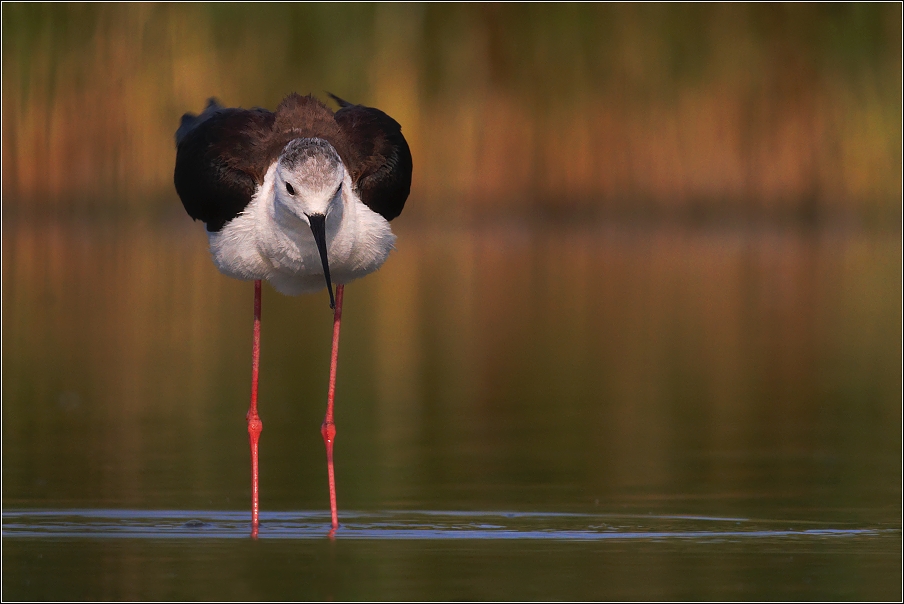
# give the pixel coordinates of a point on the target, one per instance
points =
(255, 425)
(328, 430)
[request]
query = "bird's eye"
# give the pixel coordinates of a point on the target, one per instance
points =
(290, 189)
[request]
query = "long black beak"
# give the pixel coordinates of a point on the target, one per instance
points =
(318, 227)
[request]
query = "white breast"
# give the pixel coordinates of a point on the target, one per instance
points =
(262, 243)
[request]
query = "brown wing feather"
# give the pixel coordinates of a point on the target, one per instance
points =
(221, 159)
(378, 157)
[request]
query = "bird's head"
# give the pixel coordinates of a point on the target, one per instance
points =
(308, 185)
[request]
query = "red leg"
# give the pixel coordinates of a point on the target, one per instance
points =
(255, 426)
(328, 429)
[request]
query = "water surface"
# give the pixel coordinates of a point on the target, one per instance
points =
(137, 554)
(411, 525)
(605, 411)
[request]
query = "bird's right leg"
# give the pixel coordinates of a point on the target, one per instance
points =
(255, 426)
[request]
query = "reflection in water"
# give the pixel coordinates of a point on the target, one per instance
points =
(551, 368)
(397, 370)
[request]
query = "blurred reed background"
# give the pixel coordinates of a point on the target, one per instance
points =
(652, 254)
(788, 111)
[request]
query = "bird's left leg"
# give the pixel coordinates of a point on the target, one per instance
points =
(328, 429)
(255, 426)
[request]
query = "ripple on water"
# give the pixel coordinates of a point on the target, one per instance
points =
(402, 525)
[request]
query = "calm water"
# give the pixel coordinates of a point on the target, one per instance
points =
(640, 338)
(451, 555)
(605, 411)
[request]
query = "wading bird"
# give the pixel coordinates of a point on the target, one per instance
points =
(300, 197)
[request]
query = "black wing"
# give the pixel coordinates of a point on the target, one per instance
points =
(221, 159)
(380, 161)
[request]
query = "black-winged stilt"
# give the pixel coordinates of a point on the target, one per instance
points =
(300, 197)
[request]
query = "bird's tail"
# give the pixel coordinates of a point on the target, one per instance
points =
(342, 102)
(190, 121)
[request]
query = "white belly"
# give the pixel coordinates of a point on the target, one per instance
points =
(258, 244)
